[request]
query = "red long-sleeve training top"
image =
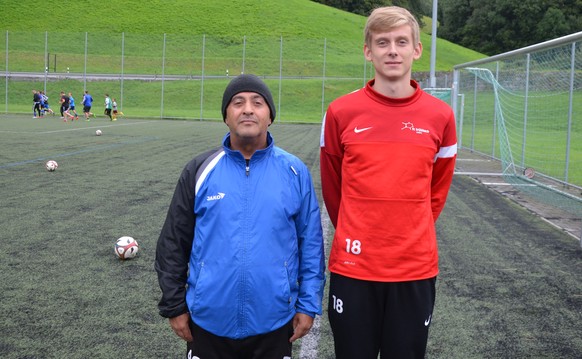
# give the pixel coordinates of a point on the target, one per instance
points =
(386, 168)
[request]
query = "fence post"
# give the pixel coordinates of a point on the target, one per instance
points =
(323, 78)
(202, 78)
(6, 76)
(244, 54)
(85, 65)
(474, 119)
(163, 74)
(122, 69)
(494, 135)
(280, 75)
(365, 71)
(525, 106)
(570, 104)
(45, 56)
(454, 104)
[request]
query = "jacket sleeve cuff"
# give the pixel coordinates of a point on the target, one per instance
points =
(174, 312)
(311, 314)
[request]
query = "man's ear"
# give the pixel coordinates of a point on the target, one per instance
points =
(418, 51)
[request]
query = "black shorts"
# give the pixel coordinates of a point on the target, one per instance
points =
(368, 317)
(274, 344)
(87, 109)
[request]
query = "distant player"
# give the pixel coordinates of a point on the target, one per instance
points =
(108, 106)
(36, 104)
(115, 112)
(65, 103)
(72, 106)
(87, 104)
(44, 105)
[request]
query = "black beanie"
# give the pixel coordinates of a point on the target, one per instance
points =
(247, 83)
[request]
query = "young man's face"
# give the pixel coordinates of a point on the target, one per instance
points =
(392, 53)
(248, 116)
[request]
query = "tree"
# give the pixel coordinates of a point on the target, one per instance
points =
(453, 15)
(360, 7)
(497, 26)
(363, 7)
(553, 24)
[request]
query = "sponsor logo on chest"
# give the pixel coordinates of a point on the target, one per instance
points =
(410, 126)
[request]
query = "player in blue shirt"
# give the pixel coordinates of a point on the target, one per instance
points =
(87, 103)
(72, 107)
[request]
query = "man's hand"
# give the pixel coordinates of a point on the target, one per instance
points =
(301, 325)
(180, 326)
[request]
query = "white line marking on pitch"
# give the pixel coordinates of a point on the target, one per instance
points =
(83, 128)
(479, 173)
(471, 160)
(104, 126)
(508, 184)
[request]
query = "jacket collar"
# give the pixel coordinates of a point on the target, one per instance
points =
(256, 156)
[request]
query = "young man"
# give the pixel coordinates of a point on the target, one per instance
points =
(387, 161)
(65, 105)
(108, 106)
(36, 104)
(240, 257)
(44, 104)
(87, 104)
(72, 106)
(115, 112)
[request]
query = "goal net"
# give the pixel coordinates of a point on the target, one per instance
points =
(532, 132)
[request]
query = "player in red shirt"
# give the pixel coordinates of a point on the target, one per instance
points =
(387, 160)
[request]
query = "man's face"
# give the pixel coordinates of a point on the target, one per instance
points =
(248, 116)
(393, 52)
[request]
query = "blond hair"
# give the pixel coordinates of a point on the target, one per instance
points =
(387, 18)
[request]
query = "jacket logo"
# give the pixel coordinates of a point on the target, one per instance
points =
(410, 126)
(215, 197)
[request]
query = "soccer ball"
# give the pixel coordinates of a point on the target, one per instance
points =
(51, 165)
(98, 133)
(126, 247)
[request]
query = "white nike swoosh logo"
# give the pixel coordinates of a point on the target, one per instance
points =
(427, 322)
(358, 130)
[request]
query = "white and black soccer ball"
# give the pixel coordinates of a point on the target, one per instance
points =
(126, 247)
(51, 165)
(98, 133)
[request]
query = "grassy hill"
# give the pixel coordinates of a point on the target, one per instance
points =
(298, 40)
(225, 19)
